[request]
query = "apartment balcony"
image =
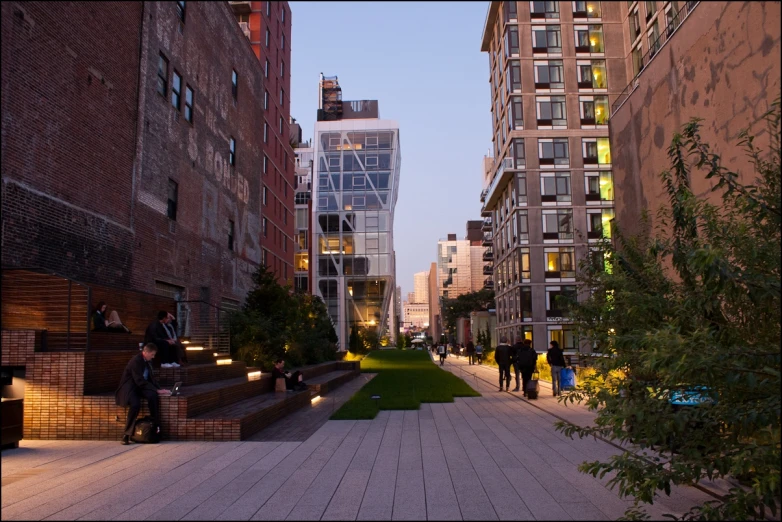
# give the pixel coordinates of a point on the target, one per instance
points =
(504, 174)
(488, 283)
(488, 255)
(487, 239)
(245, 27)
(485, 212)
(484, 193)
(240, 8)
(486, 227)
(488, 270)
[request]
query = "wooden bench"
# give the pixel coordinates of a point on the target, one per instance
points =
(115, 341)
(327, 382)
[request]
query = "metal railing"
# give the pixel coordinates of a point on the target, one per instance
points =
(654, 48)
(204, 324)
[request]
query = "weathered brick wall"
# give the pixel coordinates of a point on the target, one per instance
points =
(722, 65)
(69, 76)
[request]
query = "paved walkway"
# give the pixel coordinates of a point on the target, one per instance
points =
(479, 458)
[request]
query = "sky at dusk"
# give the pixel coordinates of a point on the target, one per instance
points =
(422, 62)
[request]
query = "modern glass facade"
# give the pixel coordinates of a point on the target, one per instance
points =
(355, 183)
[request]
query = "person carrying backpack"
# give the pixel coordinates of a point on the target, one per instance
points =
(528, 360)
(556, 360)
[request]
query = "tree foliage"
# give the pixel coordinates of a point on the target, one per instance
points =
(275, 322)
(696, 303)
(462, 305)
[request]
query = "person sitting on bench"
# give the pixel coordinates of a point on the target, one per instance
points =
(293, 381)
(112, 324)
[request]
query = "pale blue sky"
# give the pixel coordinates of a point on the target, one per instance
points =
(422, 62)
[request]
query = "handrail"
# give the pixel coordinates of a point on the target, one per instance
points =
(654, 48)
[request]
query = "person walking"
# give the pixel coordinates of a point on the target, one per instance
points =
(442, 352)
(528, 361)
(502, 354)
(516, 350)
(556, 359)
(470, 352)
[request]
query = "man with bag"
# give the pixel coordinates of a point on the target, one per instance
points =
(470, 349)
(138, 381)
(503, 354)
(556, 360)
(528, 361)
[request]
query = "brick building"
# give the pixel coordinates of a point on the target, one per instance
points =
(267, 25)
(132, 153)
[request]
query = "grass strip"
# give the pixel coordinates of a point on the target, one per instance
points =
(405, 379)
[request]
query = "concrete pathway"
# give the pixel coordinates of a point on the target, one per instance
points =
(479, 458)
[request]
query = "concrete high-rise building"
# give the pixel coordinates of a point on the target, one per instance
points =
(267, 25)
(303, 213)
(416, 315)
(435, 320)
(454, 276)
(715, 60)
(555, 69)
(421, 287)
(354, 191)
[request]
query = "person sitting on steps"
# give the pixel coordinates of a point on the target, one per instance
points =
(112, 324)
(293, 381)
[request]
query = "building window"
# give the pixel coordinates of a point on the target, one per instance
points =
(282, 98)
(189, 100)
(512, 41)
(637, 59)
(565, 336)
(591, 74)
(264, 196)
(560, 262)
(511, 13)
(282, 42)
(524, 262)
(282, 15)
(635, 25)
(599, 223)
(557, 300)
(553, 151)
(268, 36)
(517, 153)
(280, 125)
(162, 75)
(230, 234)
(558, 224)
(551, 111)
(513, 76)
(599, 186)
(517, 113)
(549, 75)
(589, 39)
(547, 39)
(653, 36)
(586, 10)
(594, 110)
(266, 68)
(234, 83)
(266, 100)
(180, 10)
(176, 90)
(232, 152)
(651, 8)
(265, 132)
(544, 10)
(525, 302)
(282, 69)
(173, 196)
(264, 228)
(265, 164)
(555, 186)
(268, 8)
(596, 151)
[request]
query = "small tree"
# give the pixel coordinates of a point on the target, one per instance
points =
(693, 308)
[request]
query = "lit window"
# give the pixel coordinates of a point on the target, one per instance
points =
(599, 186)
(596, 151)
(589, 39)
(591, 74)
(560, 262)
(594, 110)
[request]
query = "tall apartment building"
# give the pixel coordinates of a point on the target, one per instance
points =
(555, 69)
(714, 60)
(455, 267)
(355, 183)
(267, 26)
(303, 214)
(421, 287)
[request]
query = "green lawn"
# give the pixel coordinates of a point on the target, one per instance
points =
(405, 379)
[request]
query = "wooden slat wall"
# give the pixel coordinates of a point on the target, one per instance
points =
(136, 309)
(39, 301)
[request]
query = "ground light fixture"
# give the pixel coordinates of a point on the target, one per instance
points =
(254, 376)
(376, 398)
(221, 362)
(315, 399)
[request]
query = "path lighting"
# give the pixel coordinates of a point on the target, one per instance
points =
(376, 398)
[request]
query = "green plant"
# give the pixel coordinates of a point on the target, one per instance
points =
(694, 305)
(462, 305)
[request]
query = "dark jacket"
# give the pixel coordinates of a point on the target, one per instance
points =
(470, 347)
(555, 357)
(527, 357)
(156, 333)
(98, 322)
(515, 351)
(133, 380)
(503, 354)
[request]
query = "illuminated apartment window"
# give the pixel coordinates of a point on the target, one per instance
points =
(544, 10)
(599, 223)
(599, 186)
(547, 39)
(591, 74)
(555, 187)
(594, 110)
(549, 74)
(586, 10)
(596, 151)
(524, 262)
(589, 38)
(565, 336)
(560, 262)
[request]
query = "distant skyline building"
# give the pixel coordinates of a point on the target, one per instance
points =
(454, 267)
(421, 287)
(415, 315)
(554, 69)
(355, 185)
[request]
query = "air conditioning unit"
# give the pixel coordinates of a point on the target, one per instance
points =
(245, 27)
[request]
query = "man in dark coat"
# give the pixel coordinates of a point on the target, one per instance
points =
(556, 359)
(156, 333)
(516, 350)
(502, 354)
(138, 381)
(470, 352)
(528, 361)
